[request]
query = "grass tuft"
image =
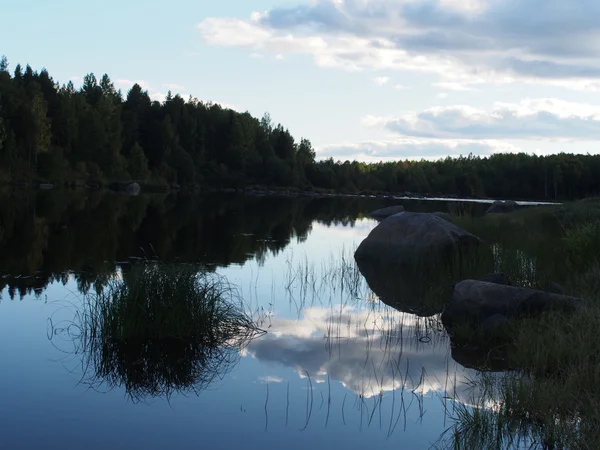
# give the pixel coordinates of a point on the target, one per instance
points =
(163, 328)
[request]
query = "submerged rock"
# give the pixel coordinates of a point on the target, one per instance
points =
(410, 236)
(475, 302)
(500, 207)
(414, 289)
(384, 213)
(484, 359)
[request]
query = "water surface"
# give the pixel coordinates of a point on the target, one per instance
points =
(335, 368)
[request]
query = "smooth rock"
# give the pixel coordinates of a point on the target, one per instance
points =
(443, 215)
(500, 207)
(133, 189)
(475, 301)
(384, 213)
(410, 236)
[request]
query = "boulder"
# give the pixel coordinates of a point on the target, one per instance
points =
(133, 189)
(410, 236)
(482, 358)
(384, 213)
(443, 215)
(500, 207)
(411, 289)
(475, 302)
(493, 325)
(124, 186)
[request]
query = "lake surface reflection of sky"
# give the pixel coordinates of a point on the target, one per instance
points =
(336, 368)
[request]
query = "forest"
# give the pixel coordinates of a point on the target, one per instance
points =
(67, 136)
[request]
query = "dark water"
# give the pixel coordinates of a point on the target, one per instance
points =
(335, 368)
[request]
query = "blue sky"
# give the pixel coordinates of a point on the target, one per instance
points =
(362, 79)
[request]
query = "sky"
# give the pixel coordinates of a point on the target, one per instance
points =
(362, 79)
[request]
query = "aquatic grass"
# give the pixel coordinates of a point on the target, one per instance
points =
(162, 328)
(550, 400)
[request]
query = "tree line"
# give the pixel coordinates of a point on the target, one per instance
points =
(96, 134)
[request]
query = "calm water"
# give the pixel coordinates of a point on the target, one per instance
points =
(336, 367)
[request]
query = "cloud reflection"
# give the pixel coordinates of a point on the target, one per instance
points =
(369, 350)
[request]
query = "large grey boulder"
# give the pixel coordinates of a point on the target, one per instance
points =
(412, 236)
(384, 213)
(500, 207)
(474, 302)
(443, 215)
(412, 261)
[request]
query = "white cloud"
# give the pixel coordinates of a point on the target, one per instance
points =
(380, 81)
(271, 379)
(412, 148)
(442, 95)
(224, 105)
(545, 118)
(128, 84)
(400, 87)
(464, 43)
(173, 86)
(158, 96)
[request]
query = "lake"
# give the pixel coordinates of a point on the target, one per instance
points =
(334, 368)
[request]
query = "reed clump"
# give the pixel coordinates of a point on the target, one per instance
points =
(163, 328)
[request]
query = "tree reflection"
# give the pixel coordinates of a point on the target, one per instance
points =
(161, 329)
(49, 235)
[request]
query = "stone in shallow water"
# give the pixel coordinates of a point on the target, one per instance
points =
(411, 236)
(412, 260)
(500, 207)
(475, 301)
(384, 213)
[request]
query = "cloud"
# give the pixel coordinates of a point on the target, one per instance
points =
(400, 87)
(128, 84)
(369, 351)
(545, 118)
(411, 148)
(380, 81)
(173, 86)
(271, 379)
(464, 43)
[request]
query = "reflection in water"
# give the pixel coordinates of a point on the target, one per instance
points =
(50, 234)
(381, 355)
(160, 329)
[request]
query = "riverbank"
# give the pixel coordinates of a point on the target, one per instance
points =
(551, 397)
(256, 190)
